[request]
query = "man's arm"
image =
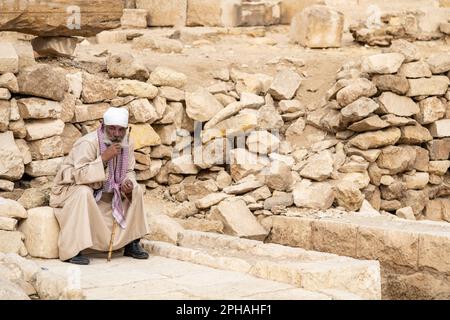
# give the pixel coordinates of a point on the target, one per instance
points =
(88, 167)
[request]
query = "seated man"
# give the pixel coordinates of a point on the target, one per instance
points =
(96, 188)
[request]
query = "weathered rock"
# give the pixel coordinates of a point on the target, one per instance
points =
(376, 139)
(141, 110)
(211, 200)
(398, 105)
(24, 150)
(289, 8)
(201, 105)
(355, 89)
(440, 128)
(238, 220)
(419, 69)
(9, 81)
(396, 159)
(214, 13)
(369, 124)
(431, 109)
(279, 176)
(439, 62)
(368, 155)
(438, 209)
(12, 242)
(11, 291)
(134, 18)
(384, 63)
(163, 76)
(97, 89)
(46, 148)
(5, 112)
(435, 85)
(262, 142)
(41, 232)
(405, 213)
(136, 88)
(62, 20)
(12, 209)
(416, 199)
(317, 26)
(301, 136)
(244, 163)
(183, 165)
(416, 180)
(316, 195)
(163, 228)
(69, 136)
(47, 167)
(285, 84)
(439, 149)
(406, 48)
(280, 199)
(359, 109)
(124, 65)
(269, 119)
(40, 129)
(88, 112)
(397, 121)
(244, 186)
(6, 185)
(391, 82)
(233, 126)
(318, 167)
(438, 168)
(44, 81)
(414, 135)
(32, 198)
(143, 135)
(11, 161)
(161, 44)
(75, 82)
(8, 224)
(52, 286)
(9, 61)
(164, 13)
(348, 196)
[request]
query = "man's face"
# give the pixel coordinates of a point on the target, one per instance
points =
(115, 133)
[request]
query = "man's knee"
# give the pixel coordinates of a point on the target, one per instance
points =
(83, 191)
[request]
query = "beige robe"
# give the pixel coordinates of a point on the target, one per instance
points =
(84, 222)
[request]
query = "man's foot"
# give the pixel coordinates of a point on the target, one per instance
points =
(134, 249)
(78, 259)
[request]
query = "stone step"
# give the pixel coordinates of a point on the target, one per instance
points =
(412, 254)
(313, 271)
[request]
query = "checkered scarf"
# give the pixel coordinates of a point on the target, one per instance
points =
(116, 175)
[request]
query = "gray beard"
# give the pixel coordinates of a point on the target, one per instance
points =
(108, 142)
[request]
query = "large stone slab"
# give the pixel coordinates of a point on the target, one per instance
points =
(46, 148)
(60, 17)
(201, 105)
(43, 80)
(9, 61)
(285, 84)
(214, 13)
(318, 26)
(143, 135)
(436, 85)
(238, 220)
(11, 161)
(41, 230)
(36, 108)
(440, 128)
(164, 13)
(40, 129)
(41, 168)
(12, 242)
(87, 112)
(313, 195)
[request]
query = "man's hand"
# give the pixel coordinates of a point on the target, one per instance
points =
(127, 186)
(112, 151)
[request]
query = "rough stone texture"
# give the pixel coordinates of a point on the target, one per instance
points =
(419, 69)
(349, 196)
(439, 62)
(134, 18)
(96, 89)
(318, 167)
(143, 135)
(141, 110)
(214, 13)
(355, 89)
(163, 228)
(44, 81)
(316, 195)
(41, 129)
(369, 124)
(9, 61)
(359, 109)
(12, 242)
(262, 142)
(238, 220)
(431, 109)
(46, 148)
(285, 84)
(406, 48)
(38, 20)
(163, 76)
(436, 85)
(164, 13)
(43, 167)
(398, 105)
(41, 232)
(279, 176)
(376, 139)
(124, 65)
(389, 82)
(440, 128)
(384, 63)
(317, 26)
(32, 198)
(396, 159)
(414, 135)
(201, 105)
(11, 161)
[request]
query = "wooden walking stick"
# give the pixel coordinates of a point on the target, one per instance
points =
(113, 233)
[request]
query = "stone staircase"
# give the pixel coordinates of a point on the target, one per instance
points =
(329, 274)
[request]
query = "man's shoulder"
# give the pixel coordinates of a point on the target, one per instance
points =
(90, 138)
